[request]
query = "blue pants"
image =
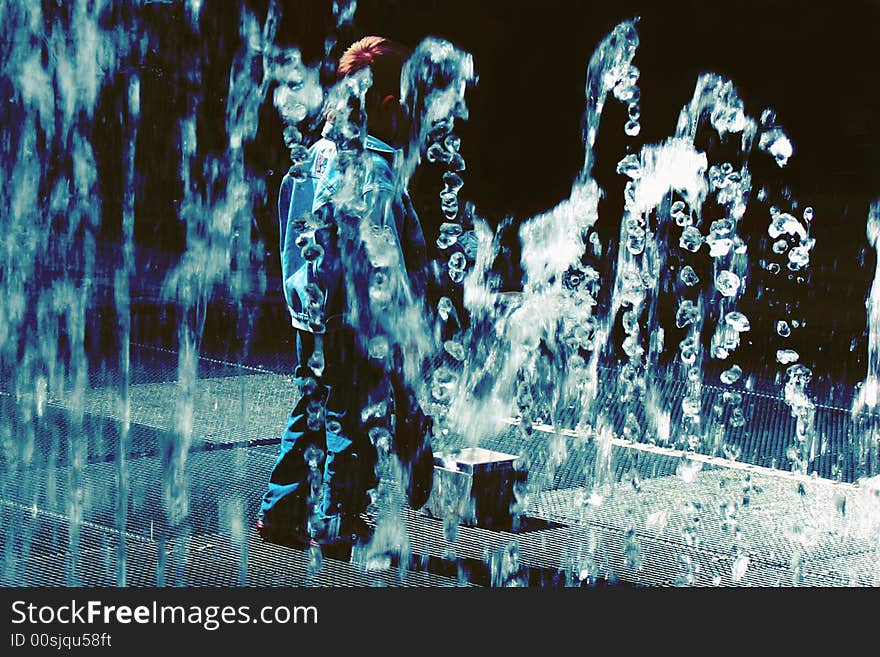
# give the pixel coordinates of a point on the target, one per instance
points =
(346, 459)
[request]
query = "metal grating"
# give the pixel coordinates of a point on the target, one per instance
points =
(37, 550)
(816, 529)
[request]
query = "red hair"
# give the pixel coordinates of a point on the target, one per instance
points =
(384, 57)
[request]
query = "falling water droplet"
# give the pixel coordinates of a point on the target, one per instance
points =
(727, 283)
(457, 261)
(780, 246)
(738, 321)
(688, 313)
(689, 276)
(786, 356)
(630, 166)
(691, 239)
(632, 128)
(739, 568)
(455, 349)
(731, 375)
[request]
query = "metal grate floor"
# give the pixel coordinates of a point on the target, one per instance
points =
(660, 518)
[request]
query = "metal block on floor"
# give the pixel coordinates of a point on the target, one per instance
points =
(475, 485)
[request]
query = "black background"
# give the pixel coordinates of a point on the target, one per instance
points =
(814, 63)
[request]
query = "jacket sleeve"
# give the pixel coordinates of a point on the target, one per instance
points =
(415, 250)
(393, 209)
(285, 194)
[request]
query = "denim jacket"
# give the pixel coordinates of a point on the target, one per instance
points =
(308, 206)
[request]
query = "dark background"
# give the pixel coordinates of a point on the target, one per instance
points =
(814, 64)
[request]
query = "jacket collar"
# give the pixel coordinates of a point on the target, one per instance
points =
(375, 144)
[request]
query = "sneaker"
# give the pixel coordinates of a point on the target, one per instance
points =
(350, 531)
(288, 537)
(347, 529)
(354, 530)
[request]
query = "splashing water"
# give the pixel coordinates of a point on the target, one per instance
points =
(536, 357)
(58, 61)
(579, 359)
(866, 400)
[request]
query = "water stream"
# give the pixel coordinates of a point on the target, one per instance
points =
(579, 358)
